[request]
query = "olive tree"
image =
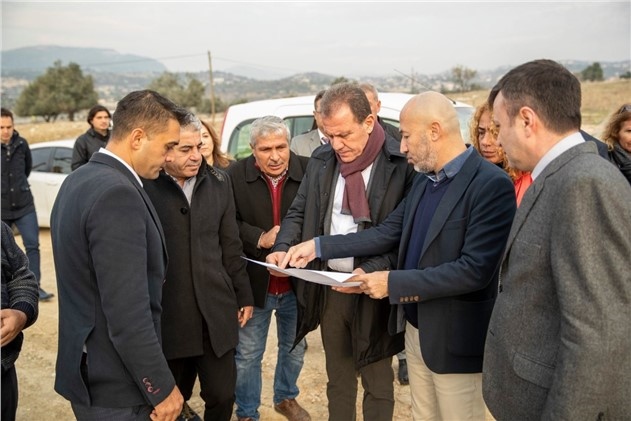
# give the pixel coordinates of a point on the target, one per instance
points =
(60, 90)
(187, 95)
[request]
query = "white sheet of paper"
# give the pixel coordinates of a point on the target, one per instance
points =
(318, 276)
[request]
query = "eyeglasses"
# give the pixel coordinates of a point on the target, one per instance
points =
(625, 109)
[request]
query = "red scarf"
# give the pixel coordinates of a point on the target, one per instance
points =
(355, 201)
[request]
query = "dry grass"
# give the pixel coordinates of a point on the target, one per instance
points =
(600, 99)
(40, 131)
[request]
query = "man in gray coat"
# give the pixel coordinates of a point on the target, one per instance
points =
(559, 340)
(304, 144)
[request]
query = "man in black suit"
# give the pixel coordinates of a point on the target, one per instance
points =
(110, 261)
(207, 294)
(451, 230)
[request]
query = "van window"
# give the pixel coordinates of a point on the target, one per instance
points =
(239, 145)
(299, 125)
(392, 122)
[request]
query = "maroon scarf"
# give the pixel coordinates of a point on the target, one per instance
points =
(355, 201)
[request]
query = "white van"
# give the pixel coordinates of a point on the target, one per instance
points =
(298, 114)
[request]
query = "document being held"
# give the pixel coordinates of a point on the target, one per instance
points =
(336, 279)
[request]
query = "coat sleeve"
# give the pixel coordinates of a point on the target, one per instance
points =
(471, 248)
(28, 166)
(389, 260)
(291, 226)
(22, 288)
(79, 153)
(373, 241)
(232, 250)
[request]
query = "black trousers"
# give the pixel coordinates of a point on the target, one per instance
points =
(341, 389)
(9, 394)
(217, 378)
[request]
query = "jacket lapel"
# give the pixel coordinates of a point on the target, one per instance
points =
(412, 201)
(452, 196)
(535, 189)
(114, 163)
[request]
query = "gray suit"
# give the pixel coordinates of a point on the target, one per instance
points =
(559, 340)
(304, 144)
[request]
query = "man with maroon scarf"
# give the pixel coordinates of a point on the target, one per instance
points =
(265, 185)
(351, 184)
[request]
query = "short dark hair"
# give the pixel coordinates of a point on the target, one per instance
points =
(6, 113)
(147, 110)
(318, 97)
(547, 87)
(96, 109)
(346, 93)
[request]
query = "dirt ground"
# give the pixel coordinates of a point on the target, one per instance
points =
(36, 367)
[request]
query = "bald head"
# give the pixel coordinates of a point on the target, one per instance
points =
(430, 107)
(430, 131)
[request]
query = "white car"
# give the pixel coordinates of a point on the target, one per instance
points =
(51, 165)
(298, 114)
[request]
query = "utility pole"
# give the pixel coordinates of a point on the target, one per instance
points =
(212, 90)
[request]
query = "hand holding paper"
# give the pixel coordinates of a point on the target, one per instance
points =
(300, 255)
(319, 277)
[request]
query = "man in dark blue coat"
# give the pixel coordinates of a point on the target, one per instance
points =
(450, 231)
(110, 261)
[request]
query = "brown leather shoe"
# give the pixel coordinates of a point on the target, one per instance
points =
(290, 409)
(245, 419)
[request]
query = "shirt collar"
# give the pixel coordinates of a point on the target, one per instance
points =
(322, 136)
(451, 168)
(554, 152)
(113, 155)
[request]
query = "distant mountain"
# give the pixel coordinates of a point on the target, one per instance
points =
(35, 60)
(256, 73)
(117, 74)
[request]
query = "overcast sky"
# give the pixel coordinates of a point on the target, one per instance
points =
(342, 39)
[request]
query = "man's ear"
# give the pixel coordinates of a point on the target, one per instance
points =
(435, 131)
(136, 137)
(369, 123)
(528, 119)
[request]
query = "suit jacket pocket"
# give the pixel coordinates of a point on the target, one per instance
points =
(468, 323)
(533, 371)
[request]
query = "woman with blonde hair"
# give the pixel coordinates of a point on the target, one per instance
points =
(211, 148)
(483, 135)
(617, 136)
